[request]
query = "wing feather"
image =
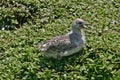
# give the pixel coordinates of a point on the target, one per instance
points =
(57, 44)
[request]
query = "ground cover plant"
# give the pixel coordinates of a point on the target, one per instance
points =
(26, 23)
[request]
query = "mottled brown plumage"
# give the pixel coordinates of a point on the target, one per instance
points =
(67, 44)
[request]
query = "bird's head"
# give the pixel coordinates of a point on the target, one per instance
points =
(78, 24)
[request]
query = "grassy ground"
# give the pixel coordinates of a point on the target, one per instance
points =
(100, 60)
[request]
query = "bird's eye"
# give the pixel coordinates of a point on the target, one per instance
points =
(79, 22)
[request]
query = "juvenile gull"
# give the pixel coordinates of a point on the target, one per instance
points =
(67, 44)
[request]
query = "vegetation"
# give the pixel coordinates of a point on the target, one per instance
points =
(26, 23)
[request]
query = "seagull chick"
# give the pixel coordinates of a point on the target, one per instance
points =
(66, 45)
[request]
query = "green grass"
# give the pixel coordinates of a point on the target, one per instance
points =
(100, 60)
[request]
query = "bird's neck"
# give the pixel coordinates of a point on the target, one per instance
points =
(77, 31)
(77, 37)
(79, 34)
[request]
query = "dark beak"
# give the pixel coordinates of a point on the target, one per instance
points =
(85, 24)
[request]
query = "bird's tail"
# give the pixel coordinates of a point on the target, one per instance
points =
(42, 47)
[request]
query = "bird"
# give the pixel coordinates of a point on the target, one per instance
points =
(67, 44)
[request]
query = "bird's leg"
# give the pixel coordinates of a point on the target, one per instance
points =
(59, 57)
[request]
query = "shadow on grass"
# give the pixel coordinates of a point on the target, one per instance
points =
(59, 65)
(94, 66)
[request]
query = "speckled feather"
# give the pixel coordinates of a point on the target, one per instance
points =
(59, 44)
(67, 44)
